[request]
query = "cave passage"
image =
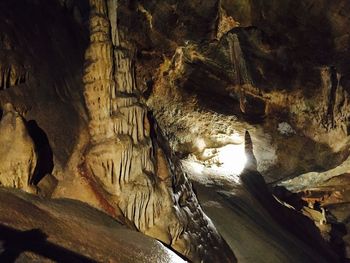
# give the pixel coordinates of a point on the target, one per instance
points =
(45, 162)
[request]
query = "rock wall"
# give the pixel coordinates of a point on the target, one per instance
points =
(265, 63)
(242, 82)
(137, 176)
(42, 47)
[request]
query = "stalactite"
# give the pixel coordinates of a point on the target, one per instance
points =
(329, 118)
(12, 75)
(242, 75)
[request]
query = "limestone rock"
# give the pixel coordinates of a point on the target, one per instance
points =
(124, 156)
(17, 152)
(325, 197)
(220, 87)
(208, 71)
(41, 62)
(285, 215)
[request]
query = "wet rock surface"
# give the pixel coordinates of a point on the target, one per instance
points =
(33, 229)
(254, 221)
(114, 99)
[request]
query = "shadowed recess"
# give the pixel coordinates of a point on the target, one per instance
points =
(45, 156)
(16, 242)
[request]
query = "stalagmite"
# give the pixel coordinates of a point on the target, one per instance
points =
(17, 152)
(151, 192)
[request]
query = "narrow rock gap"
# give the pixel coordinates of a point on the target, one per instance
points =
(45, 162)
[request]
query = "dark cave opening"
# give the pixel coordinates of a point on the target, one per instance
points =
(45, 162)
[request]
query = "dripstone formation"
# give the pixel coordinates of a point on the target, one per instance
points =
(137, 177)
(142, 110)
(17, 152)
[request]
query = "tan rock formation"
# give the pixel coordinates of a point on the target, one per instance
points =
(17, 152)
(146, 189)
(208, 71)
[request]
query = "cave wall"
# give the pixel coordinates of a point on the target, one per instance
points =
(42, 46)
(270, 63)
(110, 87)
(67, 67)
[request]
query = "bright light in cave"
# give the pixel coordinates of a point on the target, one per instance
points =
(232, 159)
(224, 163)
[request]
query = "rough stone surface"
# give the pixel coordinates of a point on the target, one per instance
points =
(116, 92)
(325, 199)
(142, 185)
(17, 152)
(41, 59)
(279, 62)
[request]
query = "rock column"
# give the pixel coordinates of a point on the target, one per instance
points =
(137, 176)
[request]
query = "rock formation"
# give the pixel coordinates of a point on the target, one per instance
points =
(224, 69)
(17, 152)
(136, 174)
(262, 77)
(120, 95)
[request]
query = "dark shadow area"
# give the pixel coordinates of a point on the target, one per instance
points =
(338, 230)
(35, 241)
(45, 155)
(336, 238)
(295, 223)
(289, 197)
(49, 38)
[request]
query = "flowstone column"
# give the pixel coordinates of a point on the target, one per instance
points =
(137, 177)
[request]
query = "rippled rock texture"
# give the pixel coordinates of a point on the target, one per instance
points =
(124, 157)
(18, 158)
(110, 97)
(106, 148)
(280, 64)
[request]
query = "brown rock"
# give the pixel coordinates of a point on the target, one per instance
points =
(17, 152)
(47, 230)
